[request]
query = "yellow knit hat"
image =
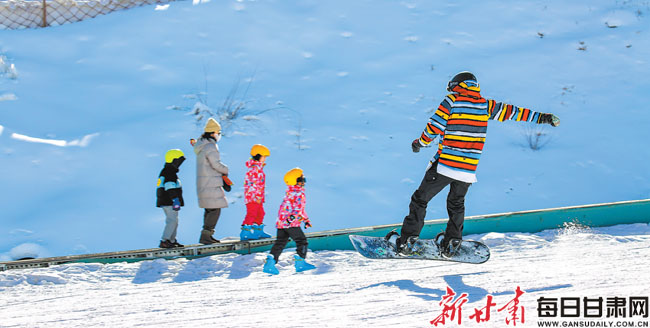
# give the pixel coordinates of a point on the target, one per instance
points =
(212, 126)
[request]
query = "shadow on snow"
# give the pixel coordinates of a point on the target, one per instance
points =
(456, 283)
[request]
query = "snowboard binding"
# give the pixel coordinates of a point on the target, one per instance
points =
(407, 247)
(392, 238)
(391, 234)
(448, 246)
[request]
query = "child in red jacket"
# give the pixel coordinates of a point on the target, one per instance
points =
(254, 184)
(291, 215)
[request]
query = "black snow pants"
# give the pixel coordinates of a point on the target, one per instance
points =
(431, 185)
(282, 239)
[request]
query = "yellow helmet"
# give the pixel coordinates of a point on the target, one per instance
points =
(291, 177)
(173, 154)
(260, 149)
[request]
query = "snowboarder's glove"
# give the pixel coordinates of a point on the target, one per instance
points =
(176, 204)
(549, 119)
(307, 224)
(415, 145)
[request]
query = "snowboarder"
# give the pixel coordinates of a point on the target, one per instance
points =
(169, 196)
(209, 179)
(460, 122)
(254, 184)
(291, 215)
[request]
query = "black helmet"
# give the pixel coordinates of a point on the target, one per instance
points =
(460, 77)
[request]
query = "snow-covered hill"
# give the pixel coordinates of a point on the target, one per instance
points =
(85, 112)
(346, 290)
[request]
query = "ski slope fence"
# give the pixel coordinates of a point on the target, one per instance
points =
(595, 215)
(19, 14)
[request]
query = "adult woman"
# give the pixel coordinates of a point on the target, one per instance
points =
(209, 181)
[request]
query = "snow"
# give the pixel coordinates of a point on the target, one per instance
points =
(348, 86)
(27, 250)
(8, 96)
(87, 111)
(83, 142)
(345, 290)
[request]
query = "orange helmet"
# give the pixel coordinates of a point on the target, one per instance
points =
(291, 177)
(260, 149)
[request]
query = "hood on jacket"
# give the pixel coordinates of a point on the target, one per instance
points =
(198, 146)
(252, 163)
(172, 167)
(295, 188)
(176, 163)
(468, 88)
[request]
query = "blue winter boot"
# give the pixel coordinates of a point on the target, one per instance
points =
(259, 231)
(302, 265)
(247, 232)
(269, 265)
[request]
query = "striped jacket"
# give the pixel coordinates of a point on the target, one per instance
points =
(461, 122)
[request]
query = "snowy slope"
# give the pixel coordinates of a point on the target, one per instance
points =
(346, 290)
(85, 123)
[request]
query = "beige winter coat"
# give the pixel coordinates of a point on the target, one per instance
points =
(209, 172)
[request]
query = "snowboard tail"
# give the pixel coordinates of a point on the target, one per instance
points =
(470, 251)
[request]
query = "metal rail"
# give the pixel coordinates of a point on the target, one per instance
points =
(625, 212)
(190, 251)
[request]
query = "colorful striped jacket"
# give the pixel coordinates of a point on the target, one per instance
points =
(461, 122)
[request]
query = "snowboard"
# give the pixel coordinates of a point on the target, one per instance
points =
(470, 251)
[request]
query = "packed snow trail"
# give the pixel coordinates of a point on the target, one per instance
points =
(345, 290)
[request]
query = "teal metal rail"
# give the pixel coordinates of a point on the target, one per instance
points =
(595, 215)
(608, 214)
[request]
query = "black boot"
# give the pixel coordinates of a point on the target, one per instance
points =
(166, 244)
(449, 246)
(407, 246)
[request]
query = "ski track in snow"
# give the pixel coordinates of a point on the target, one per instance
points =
(345, 290)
